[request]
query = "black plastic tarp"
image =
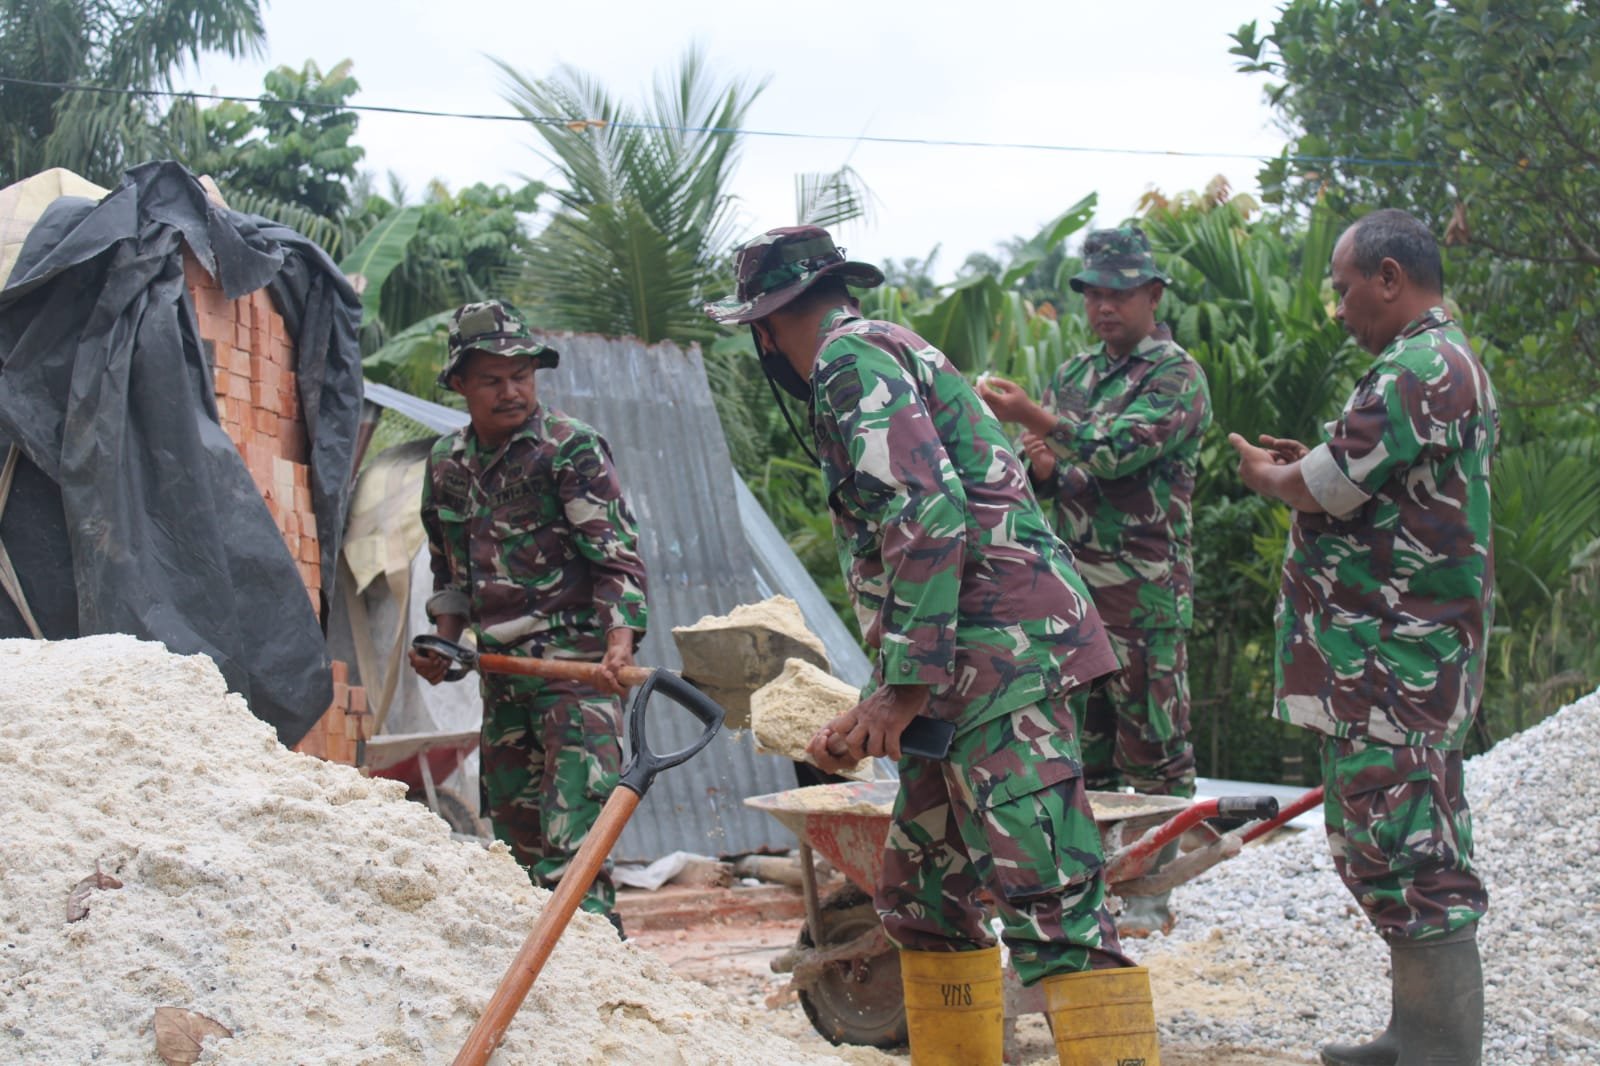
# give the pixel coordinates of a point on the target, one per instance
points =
(158, 530)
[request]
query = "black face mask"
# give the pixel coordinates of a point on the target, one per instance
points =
(779, 371)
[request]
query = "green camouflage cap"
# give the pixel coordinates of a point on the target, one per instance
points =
(1117, 259)
(781, 264)
(493, 326)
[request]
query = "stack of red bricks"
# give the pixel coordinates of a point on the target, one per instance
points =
(258, 403)
(335, 735)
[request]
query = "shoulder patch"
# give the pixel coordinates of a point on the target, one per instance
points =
(587, 463)
(843, 388)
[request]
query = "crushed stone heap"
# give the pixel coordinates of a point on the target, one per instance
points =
(314, 913)
(1271, 951)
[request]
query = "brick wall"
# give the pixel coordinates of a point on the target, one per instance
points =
(259, 406)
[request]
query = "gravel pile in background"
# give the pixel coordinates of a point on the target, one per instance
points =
(1281, 931)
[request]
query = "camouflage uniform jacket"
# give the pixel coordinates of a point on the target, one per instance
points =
(1386, 598)
(957, 580)
(533, 543)
(1126, 438)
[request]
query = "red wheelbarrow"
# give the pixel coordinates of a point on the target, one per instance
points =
(843, 967)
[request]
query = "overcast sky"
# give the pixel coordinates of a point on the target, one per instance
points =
(1139, 76)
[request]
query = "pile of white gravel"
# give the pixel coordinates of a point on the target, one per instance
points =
(314, 913)
(1270, 950)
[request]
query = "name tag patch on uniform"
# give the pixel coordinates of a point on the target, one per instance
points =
(454, 488)
(521, 491)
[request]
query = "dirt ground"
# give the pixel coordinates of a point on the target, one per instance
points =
(727, 938)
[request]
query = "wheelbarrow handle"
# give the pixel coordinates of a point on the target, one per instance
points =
(645, 764)
(1248, 808)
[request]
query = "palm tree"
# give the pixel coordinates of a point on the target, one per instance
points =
(644, 219)
(644, 225)
(123, 47)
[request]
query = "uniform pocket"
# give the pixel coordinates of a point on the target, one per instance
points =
(1396, 815)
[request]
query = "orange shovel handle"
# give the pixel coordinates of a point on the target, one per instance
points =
(558, 910)
(559, 669)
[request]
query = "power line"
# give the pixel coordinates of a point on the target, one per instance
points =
(581, 123)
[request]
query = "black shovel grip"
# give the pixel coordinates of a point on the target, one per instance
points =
(645, 764)
(1247, 807)
(462, 658)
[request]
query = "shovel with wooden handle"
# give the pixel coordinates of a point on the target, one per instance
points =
(464, 659)
(569, 892)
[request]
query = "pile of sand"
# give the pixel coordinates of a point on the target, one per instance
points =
(313, 912)
(787, 711)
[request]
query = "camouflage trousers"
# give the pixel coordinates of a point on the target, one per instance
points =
(1134, 727)
(1005, 815)
(550, 757)
(1401, 836)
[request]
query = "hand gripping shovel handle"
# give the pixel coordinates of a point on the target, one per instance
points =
(569, 892)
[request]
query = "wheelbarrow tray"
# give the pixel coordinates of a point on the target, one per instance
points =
(399, 756)
(848, 823)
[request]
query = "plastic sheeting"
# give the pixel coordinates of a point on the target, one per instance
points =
(105, 387)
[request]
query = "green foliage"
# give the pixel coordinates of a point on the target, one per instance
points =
(370, 263)
(293, 149)
(412, 359)
(1489, 110)
(1489, 107)
(1545, 648)
(467, 243)
(644, 213)
(985, 322)
(113, 44)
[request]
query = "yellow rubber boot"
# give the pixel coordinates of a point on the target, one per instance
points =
(955, 1008)
(1103, 1017)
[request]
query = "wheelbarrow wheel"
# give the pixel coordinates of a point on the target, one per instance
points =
(859, 1001)
(455, 812)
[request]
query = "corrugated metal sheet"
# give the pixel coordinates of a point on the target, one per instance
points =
(708, 547)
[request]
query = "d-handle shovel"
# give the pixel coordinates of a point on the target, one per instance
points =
(552, 922)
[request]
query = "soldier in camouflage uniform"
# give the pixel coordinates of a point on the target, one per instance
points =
(533, 546)
(1114, 447)
(1382, 624)
(976, 617)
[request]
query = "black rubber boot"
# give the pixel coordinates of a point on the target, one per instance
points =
(1438, 1000)
(1381, 1050)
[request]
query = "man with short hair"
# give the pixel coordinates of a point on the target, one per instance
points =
(532, 545)
(1382, 626)
(977, 618)
(1114, 446)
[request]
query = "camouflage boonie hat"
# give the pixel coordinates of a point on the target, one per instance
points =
(781, 264)
(1117, 259)
(496, 327)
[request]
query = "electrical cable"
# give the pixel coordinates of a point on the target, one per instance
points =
(577, 123)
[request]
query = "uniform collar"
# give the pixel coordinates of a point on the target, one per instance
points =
(836, 318)
(1148, 348)
(466, 441)
(1432, 318)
